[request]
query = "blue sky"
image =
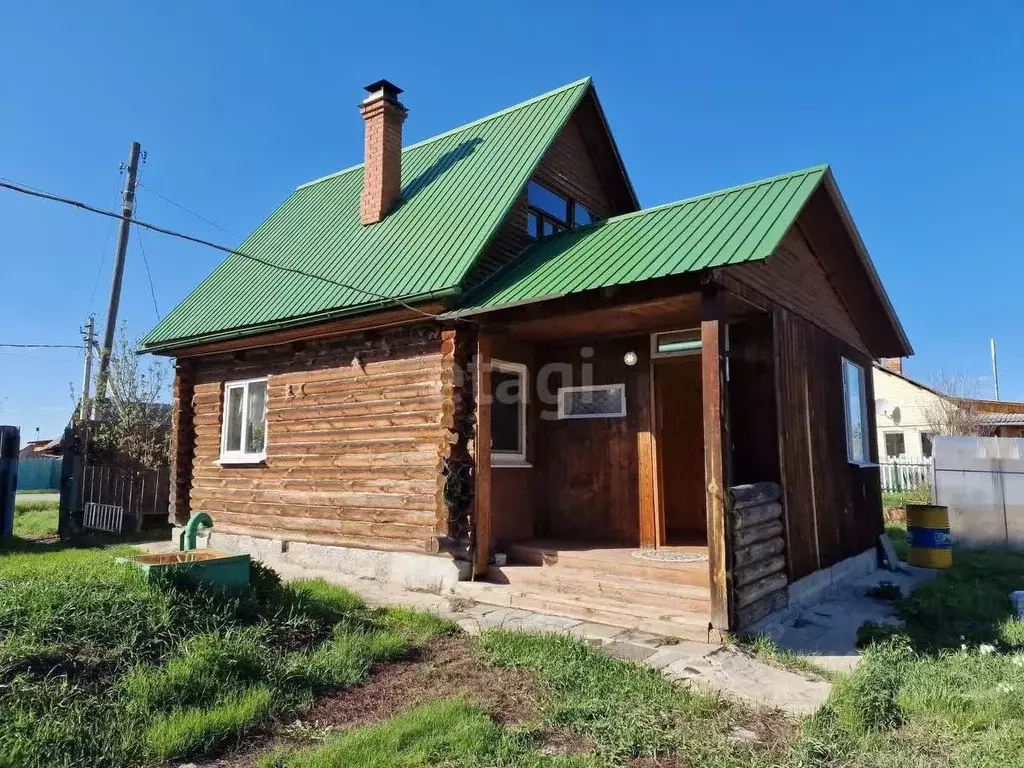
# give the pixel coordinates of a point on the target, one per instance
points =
(917, 106)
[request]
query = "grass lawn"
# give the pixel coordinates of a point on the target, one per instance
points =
(35, 519)
(97, 668)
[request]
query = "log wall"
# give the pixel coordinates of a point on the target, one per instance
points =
(760, 584)
(359, 430)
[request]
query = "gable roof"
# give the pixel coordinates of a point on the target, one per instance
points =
(719, 229)
(457, 188)
(730, 226)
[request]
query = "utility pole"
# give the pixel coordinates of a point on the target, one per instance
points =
(995, 370)
(83, 411)
(128, 211)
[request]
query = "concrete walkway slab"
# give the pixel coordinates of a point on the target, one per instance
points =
(736, 674)
(826, 632)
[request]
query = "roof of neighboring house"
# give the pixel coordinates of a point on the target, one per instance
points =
(457, 189)
(1001, 419)
(730, 226)
(915, 382)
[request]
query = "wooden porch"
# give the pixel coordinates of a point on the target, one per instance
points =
(665, 592)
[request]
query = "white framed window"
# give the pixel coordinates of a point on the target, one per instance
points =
(676, 343)
(603, 401)
(857, 437)
(508, 412)
(244, 425)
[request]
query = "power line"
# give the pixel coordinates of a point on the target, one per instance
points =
(44, 346)
(149, 276)
(186, 210)
(103, 253)
(232, 251)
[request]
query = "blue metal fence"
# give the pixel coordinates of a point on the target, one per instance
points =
(39, 474)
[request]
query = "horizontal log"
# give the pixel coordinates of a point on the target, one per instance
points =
(322, 501)
(756, 533)
(379, 460)
(202, 498)
(364, 422)
(280, 410)
(758, 570)
(751, 593)
(368, 368)
(755, 515)
(321, 485)
(429, 545)
(252, 365)
(375, 473)
(352, 529)
(757, 610)
(753, 494)
(761, 550)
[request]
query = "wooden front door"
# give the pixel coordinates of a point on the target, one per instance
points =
(680, 425)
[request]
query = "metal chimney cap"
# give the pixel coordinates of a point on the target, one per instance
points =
(384, 87)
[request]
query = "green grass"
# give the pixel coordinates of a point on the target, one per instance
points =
(34, 519)
(100, 668)
(896, 499)
(769, 651)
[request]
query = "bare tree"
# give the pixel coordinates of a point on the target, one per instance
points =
(133, 424)
(955, 411)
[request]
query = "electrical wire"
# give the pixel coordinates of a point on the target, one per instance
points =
(21, 188)
(44, 346)
(186, 210)
(149, 276)
(103, 253)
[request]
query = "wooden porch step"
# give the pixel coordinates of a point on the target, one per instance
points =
(667, 596)
(683, 625)
(613, 562)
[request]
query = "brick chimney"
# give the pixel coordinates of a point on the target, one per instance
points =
(382, 168)
(894, 364)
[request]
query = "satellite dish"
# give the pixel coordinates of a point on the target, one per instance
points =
(881, 406)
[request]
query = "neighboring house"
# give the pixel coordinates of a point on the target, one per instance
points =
(905, 412)
(479, 343)
(33, 449)
(908, 412)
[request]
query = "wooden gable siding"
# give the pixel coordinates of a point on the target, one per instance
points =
(356, 427)
(793, 277)
(569, 167)
(833, 509)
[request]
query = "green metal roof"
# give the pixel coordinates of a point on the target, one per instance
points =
(731, 226)
(457, 188)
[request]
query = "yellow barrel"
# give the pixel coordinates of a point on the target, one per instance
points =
(928, 533)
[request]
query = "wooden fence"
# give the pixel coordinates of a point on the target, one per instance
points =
(906, 474)
(139, 494)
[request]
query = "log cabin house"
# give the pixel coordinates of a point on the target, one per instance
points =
(481, 344)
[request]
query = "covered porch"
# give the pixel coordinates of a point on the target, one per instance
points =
(601, 459)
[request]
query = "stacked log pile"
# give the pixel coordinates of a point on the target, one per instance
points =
(760, 583)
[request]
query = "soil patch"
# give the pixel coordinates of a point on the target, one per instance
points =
(445, 668)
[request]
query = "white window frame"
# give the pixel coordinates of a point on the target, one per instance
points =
(846, 363)
(242, 456)
(655, 354)
(885, 439)
(591, 388)
(514, 458)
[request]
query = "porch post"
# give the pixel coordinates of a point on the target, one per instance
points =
(647, 476)
(716, 451)
(482, 516)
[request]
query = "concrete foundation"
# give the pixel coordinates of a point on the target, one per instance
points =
(821, 584)
(408, 569)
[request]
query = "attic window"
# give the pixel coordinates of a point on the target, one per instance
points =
(550, 213)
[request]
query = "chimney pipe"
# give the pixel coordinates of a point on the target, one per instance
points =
(382, 164)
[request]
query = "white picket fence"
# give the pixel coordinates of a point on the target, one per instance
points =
(104, 517)
(906, 474)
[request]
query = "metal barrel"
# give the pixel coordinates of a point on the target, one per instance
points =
(928, 533)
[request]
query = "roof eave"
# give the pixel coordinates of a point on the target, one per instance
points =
(171, 346)
(865, 258)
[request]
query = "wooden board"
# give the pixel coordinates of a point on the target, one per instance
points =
(482, 506)
(716, 460)
(681, 449)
